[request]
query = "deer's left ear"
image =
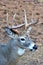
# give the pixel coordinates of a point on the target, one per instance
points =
(10, 32)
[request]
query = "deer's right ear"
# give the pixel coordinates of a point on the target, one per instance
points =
(29, 30)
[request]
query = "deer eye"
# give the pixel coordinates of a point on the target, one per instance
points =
(22, 39)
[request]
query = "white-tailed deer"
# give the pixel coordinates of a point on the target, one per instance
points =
(15, 47)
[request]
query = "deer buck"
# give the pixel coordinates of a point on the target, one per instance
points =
(16, 46)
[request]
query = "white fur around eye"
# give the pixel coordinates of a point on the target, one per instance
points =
(21, 51)
(22, 41)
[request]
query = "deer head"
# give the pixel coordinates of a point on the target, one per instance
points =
(23, 41)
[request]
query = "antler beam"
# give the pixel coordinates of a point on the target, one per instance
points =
(26, 24)
(23, 24)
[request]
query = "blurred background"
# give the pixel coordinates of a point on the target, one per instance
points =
(34, 9)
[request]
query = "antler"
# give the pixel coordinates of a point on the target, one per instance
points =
(7, 19)
(23, 24)
(26, 24)
(7, 16)
(25, 21)
(14, 17)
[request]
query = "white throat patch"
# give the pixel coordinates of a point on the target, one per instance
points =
(21, 51)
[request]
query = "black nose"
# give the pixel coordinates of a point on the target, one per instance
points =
(35, 47)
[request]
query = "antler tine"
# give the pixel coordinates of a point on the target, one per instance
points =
(32, 21)
(14, 17)
(7, 15)
(26, 24)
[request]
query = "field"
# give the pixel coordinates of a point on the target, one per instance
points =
(17, 6)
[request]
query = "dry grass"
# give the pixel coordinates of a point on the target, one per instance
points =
(17, 6)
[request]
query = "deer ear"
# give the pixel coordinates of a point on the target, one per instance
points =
(29, 30)
(10, 32)
(15, 31)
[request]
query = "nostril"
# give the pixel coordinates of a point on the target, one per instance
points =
(35, 47)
